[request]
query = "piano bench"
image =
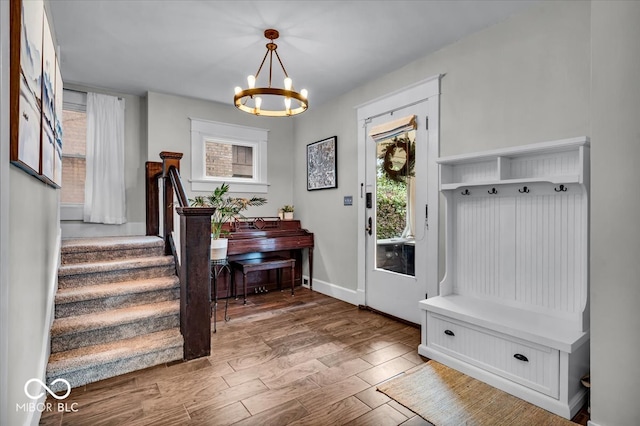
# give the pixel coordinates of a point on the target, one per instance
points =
(264, 264)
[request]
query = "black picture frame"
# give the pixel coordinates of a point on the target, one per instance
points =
(322, 164)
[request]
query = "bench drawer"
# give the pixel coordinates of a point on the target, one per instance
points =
(530, 364)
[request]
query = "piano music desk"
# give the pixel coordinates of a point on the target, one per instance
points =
(264, 264)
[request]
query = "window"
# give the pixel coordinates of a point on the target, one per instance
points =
(228, 153)
(74, 122)
(73, 156)
(228, 160)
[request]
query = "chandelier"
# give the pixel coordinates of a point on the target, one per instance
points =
(270, 101)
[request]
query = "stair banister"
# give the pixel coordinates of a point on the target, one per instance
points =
(194, 229)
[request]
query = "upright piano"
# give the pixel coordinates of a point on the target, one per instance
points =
(256, 237)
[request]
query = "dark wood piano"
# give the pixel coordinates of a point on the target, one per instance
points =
(257, 237)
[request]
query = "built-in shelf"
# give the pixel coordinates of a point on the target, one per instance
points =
(559, 162)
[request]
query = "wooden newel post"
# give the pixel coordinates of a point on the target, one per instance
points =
(195, 282)
(153, 170)
(169, 159)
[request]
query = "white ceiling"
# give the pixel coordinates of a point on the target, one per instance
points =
(203, 49)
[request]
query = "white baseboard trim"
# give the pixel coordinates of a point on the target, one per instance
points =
(73, 229)
(333, 290)
(590, 423)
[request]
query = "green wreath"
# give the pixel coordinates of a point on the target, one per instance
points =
(407, 169)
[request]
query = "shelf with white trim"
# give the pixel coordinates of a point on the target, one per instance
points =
(516, 271)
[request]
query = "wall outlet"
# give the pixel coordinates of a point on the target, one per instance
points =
(348, 200)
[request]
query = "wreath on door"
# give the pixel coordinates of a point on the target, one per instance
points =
(396, 165)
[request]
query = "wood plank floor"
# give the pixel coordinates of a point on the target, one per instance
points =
(303, 360)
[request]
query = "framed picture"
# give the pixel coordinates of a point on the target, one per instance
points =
(26, 83)
(34, 72)
(322, 164)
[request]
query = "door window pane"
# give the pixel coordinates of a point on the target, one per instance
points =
(394, 211)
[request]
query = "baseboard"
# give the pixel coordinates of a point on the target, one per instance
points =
(336, 291)
(73, 229)
(590, 423)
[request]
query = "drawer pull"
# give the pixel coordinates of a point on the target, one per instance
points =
(521, 357)
(449, 333)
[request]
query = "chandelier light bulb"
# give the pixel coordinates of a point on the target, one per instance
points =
(258, 102)
(304, 93)
(251, 80)
(288, 83)
(287, 103)
(237, 90)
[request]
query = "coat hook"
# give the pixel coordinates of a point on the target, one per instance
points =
(493, 191)
(466, 192)
(561, 188)
(524, 190)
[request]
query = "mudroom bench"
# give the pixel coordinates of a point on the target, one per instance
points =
(512, 309)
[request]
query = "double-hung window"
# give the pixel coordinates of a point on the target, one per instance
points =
(74, 122)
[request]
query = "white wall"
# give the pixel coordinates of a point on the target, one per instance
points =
(169, 129)
(521, 81)
(33, 266)
(615, 211)
(29, 237)
(4, 212)
(135, 157)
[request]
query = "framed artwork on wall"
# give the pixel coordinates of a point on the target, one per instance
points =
(322, 164)
(26, 84)
(33, 76)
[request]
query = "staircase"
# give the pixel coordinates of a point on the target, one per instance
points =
(116, 310)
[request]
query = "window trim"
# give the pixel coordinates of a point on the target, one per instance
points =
(203, 131)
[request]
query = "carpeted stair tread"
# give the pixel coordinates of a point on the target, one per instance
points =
(112, 318)
(84, 293)
(113, 265)
(98, 355)
(110, 243)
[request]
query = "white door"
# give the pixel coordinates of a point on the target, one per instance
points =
(400, 201)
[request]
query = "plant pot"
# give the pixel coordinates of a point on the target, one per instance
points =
(219, 248)
(288, 215)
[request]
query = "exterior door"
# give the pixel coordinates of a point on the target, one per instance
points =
(399, 207)
(396, 211)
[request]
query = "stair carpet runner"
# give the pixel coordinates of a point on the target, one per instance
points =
(117, 309)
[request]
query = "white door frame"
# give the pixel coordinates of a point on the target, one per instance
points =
(417, 92)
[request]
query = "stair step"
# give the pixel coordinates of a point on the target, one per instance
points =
(92, 363)
(89, 250)
(86, 330)
(83, 300)
(79, 274)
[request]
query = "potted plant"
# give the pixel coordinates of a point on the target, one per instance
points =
(227, 208)
(288, 212)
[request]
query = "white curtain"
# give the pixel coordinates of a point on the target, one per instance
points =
(104, 190)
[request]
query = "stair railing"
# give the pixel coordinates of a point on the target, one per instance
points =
(186, 232)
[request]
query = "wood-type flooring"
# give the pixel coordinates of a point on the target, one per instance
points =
(304, 360)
